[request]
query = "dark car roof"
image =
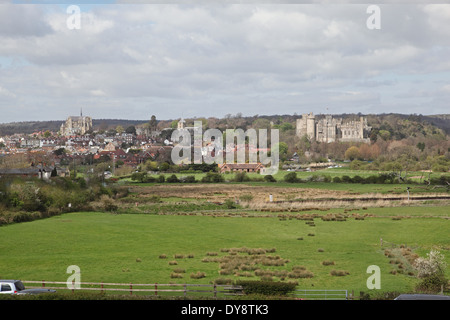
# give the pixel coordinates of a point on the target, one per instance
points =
(422, 297)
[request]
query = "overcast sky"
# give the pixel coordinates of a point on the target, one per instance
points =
(134, 61)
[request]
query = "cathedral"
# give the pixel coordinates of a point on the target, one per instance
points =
(76, 125)
(328, 129)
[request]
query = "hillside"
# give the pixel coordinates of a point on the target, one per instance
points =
(399, 125)
(29, 127)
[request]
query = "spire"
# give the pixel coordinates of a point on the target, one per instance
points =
(81, 112)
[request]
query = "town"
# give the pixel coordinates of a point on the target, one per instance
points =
(308, 142)
(77, 144)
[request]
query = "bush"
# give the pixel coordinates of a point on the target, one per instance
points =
(188, 179)
(230, 204)
(339, 273)
(197, 275)
(172, 179)
(291, 177)
(149, 179)
(337, 180)
(346, 179)
(213, 177)
(371, 179)
(109, 206)
(356, 165)
(246, 197)
(432, 272)
(139, 176)
(266, 287)
(175, 275)
(434, 264)
(241, 177)
(269, 178)
(432, 284)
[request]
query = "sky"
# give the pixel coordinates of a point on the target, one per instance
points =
(132, 59)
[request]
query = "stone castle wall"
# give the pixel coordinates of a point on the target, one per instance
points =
(329, 129)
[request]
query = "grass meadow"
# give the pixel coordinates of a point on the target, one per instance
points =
(127, 248)
(200, 233)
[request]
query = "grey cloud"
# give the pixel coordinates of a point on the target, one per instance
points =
(23, 21)
(253, 59)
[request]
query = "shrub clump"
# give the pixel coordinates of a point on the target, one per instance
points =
(175, 275)
(431, 271)
(266, 287)
(197, 275)
(339, 273)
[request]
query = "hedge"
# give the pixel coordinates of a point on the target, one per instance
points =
(271, 288)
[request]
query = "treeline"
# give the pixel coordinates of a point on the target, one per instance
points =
(209, 177)
(382, 178)
(291, 177)
(435, 164)
(30, 199)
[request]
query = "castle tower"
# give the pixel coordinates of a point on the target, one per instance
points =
(306, 126)
(181, 124)
(311, 126)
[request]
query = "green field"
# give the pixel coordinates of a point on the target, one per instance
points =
(125, 248)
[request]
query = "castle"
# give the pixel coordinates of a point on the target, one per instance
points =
(76, 125)
(328, 129)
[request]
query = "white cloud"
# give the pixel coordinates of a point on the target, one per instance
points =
(238, 58)
(6, 93)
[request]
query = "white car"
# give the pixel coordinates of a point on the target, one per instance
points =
(17, 287)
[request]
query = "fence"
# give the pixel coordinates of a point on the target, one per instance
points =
(321, 294)
(133, 288)
(183, 289)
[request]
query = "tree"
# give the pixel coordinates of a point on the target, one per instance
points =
(282, 149)
(291, 177)
(420, 146)
(352, 153)
(152, 123)
(119, 129)
(385, 135)
(366, 152)
(164, 166)
(173, 178)
(286, 126)
(131, 129)
(59, 151)
(261, 123)
(432, 272)
(434, 263)
(174, 124)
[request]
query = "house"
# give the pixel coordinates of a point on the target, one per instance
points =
(241, 167)
(38, 172)
(110, 147)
